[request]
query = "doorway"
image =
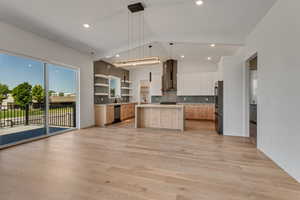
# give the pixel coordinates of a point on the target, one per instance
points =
(253, 86)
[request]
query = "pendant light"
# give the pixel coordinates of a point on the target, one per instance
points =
(136, 12)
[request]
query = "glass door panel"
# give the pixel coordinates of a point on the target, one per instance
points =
(62, 98)
(22, 99)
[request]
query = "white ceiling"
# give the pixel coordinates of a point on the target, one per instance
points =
(224, 22)
(194, 52)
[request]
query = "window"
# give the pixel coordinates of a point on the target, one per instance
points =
(114, 87)
(25, 110)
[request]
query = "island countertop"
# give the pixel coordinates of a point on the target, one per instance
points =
(159, 106)
(160, 116)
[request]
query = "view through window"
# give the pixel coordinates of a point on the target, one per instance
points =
(24, 111)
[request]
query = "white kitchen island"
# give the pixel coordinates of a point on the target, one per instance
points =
(160, 116)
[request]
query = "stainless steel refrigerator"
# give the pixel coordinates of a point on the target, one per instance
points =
(219, 89)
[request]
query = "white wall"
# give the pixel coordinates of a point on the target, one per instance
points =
(17, 41)
(142, 73)
(193, 78)
(196, 78)
(231, 72)
(276, 40)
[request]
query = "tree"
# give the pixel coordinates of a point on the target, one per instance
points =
(22, 95)
(61, 94)
(3, 92)
(38, 94)
(50, 93)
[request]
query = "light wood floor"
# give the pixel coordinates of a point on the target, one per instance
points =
(190, 125)
(129, 164)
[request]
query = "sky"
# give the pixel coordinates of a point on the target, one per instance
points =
(16, 70)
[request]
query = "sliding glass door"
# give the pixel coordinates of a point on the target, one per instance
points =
(62, 98)
(22, 99)
(36, 99)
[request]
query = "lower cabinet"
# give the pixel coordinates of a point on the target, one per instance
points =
(110, 114)
(105, 114)
(127, 111)
(200, 112)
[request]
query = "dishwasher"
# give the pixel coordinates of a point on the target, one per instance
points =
(117, 111)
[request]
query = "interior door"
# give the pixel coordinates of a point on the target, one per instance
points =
(253, 99)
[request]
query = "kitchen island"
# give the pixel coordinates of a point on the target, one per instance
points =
(160, 116)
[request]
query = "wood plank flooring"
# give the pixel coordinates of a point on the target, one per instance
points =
(137, 164)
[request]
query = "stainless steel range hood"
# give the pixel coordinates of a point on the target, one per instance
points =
(169, 82)
(169, 77)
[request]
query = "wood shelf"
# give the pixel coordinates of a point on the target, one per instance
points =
(126, 81)
(101, 85)
(101, 76)
(126, 88)
(101, 94)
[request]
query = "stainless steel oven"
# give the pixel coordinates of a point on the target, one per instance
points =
(117, 111)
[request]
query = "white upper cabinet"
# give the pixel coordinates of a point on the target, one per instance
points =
(191, 84)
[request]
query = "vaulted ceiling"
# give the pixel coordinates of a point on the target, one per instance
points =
(223, 22)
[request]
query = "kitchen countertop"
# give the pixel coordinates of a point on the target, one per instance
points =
(186, 103)
(179, 104)
(158, 106)
(194, 103)
(115, 104)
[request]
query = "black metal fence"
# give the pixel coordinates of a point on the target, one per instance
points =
(60, 115)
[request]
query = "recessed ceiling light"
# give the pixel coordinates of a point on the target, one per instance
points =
(199, 2)
(209, 58)
(86, 25)
(212, 45)
(117, 56)
(182, 56)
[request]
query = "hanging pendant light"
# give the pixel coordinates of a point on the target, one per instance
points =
(137, 10)
(138, 62)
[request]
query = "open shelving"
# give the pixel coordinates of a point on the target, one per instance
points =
(101, 94)
(101, 85)
(101, 76)
(126, 95)
(126, 81)
(126, 88)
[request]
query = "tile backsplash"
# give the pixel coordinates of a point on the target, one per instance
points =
(105, 100)
(187, 99)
